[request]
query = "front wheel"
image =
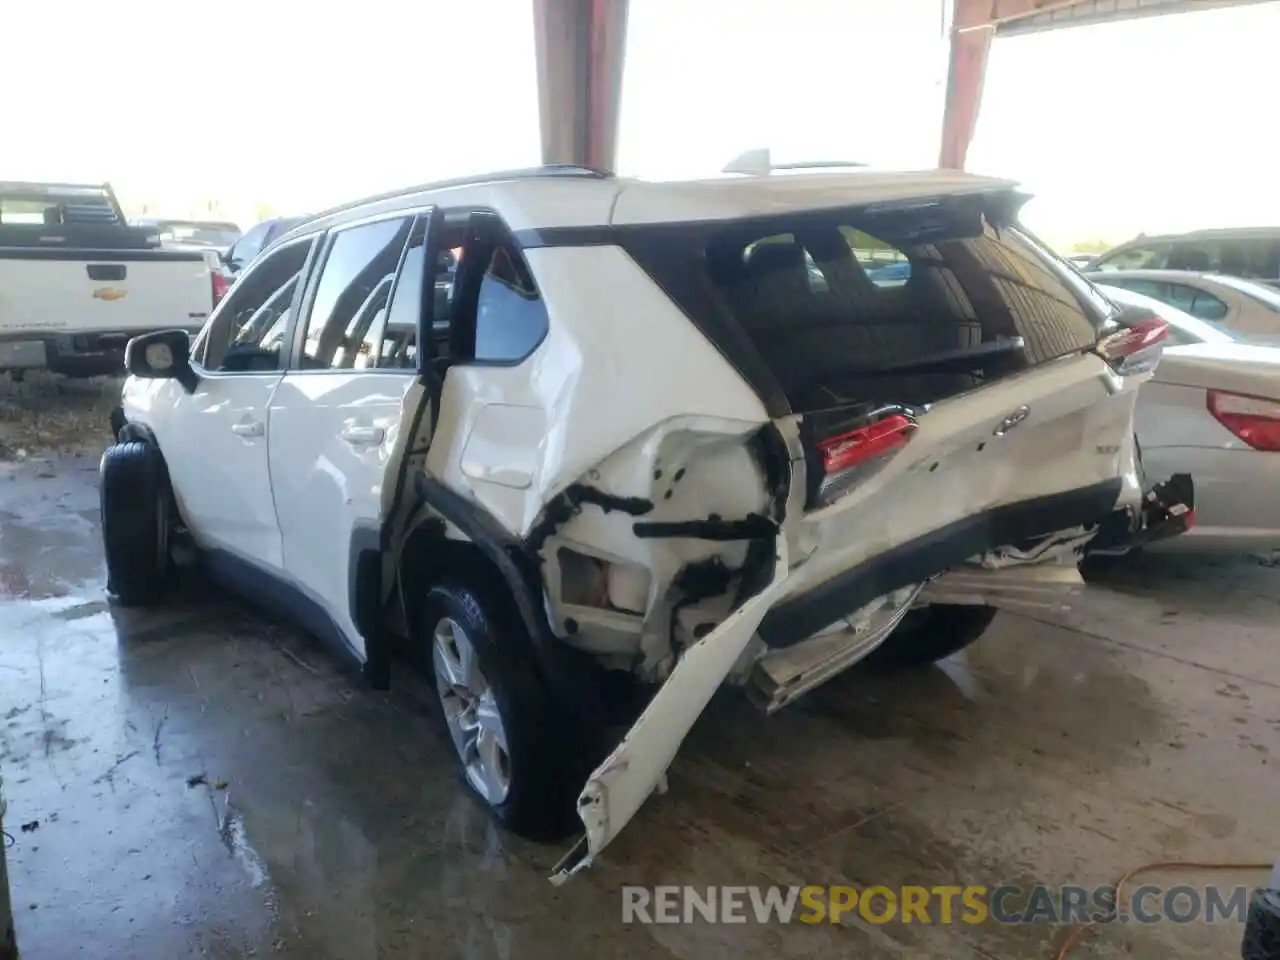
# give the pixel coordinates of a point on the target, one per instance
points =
(136, 522)
(931, 634)
(513, 749)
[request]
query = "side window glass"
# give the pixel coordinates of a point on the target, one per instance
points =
(1135, 258)
(246, 332)
(485, 303)
(1203, 305)
(1193, 255)
(354, 285)
(1155, 289)
(391, 342)
(1179, 295)
(443, 274)
(511, 318)
(1268, 252)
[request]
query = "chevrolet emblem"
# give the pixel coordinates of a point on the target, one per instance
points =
(110, 293)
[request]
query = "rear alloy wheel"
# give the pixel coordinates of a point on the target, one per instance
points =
(931, 634)
(515, 750)
(471, 712)
(136, 522)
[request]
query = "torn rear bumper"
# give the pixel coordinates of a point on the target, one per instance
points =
(635, 769)
(799, 618)
(1167, 511)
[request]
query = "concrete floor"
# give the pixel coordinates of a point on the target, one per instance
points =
(329, 824)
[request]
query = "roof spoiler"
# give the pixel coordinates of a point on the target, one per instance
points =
(758, 163)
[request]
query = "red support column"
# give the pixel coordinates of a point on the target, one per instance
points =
(971, 32)
(580, 48)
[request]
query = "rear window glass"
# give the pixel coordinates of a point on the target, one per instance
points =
(908, 307)
(220, 235)
(1265, 296)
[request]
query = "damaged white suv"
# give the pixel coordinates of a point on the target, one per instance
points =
(552, 429)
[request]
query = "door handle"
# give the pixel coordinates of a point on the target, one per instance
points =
(363, 436)
(252, 428)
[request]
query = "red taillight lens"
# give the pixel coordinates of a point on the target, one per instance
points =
(866, 443)
(220, 285)
(1136, 348)
(1255, 420)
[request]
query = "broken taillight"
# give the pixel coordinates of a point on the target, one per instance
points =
(1136, 347)
(852, 456)
(1255, 420)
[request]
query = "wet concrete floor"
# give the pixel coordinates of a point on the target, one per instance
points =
(198, 781)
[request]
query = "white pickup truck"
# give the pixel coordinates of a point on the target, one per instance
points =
(77, 282)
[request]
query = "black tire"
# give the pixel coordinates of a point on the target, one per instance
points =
(136, 522)
(544, 753)
(931, 634)
(1262, 928)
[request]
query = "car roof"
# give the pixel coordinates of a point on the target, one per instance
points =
(1211, 233)
(560, 196)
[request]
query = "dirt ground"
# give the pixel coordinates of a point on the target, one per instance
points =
(200, 781)
(44, 414)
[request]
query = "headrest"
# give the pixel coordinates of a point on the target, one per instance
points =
(775, 257)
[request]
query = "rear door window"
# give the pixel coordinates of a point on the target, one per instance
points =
(351, 294)
(914, 306)
(1156, 289)
(1198, 303)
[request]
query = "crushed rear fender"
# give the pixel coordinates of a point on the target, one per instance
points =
(617, 788)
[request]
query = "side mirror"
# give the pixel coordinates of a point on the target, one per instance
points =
(163, 355)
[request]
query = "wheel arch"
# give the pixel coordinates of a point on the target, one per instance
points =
(131, 430)
(493, 560)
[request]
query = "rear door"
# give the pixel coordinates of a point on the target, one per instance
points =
(336, 417)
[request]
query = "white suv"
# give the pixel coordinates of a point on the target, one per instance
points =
(553, 430)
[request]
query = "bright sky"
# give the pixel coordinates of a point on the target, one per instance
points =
(1149, 124)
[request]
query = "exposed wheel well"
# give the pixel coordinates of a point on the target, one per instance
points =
(136, 431)
(429, 557)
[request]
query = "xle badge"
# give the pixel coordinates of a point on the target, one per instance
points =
(1012, 420)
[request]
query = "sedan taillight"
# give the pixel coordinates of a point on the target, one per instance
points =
(1255, 420)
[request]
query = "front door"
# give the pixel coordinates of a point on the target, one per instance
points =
(336, 418)
(216, 451)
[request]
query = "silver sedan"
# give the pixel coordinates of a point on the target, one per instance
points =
(1213, 410)
(1249, 309)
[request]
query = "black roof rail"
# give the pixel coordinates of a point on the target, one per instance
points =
(525, 173)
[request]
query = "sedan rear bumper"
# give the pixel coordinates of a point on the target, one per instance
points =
(1237, 499)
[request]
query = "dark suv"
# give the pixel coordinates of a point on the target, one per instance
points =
(1252, 253)
(242, 252)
